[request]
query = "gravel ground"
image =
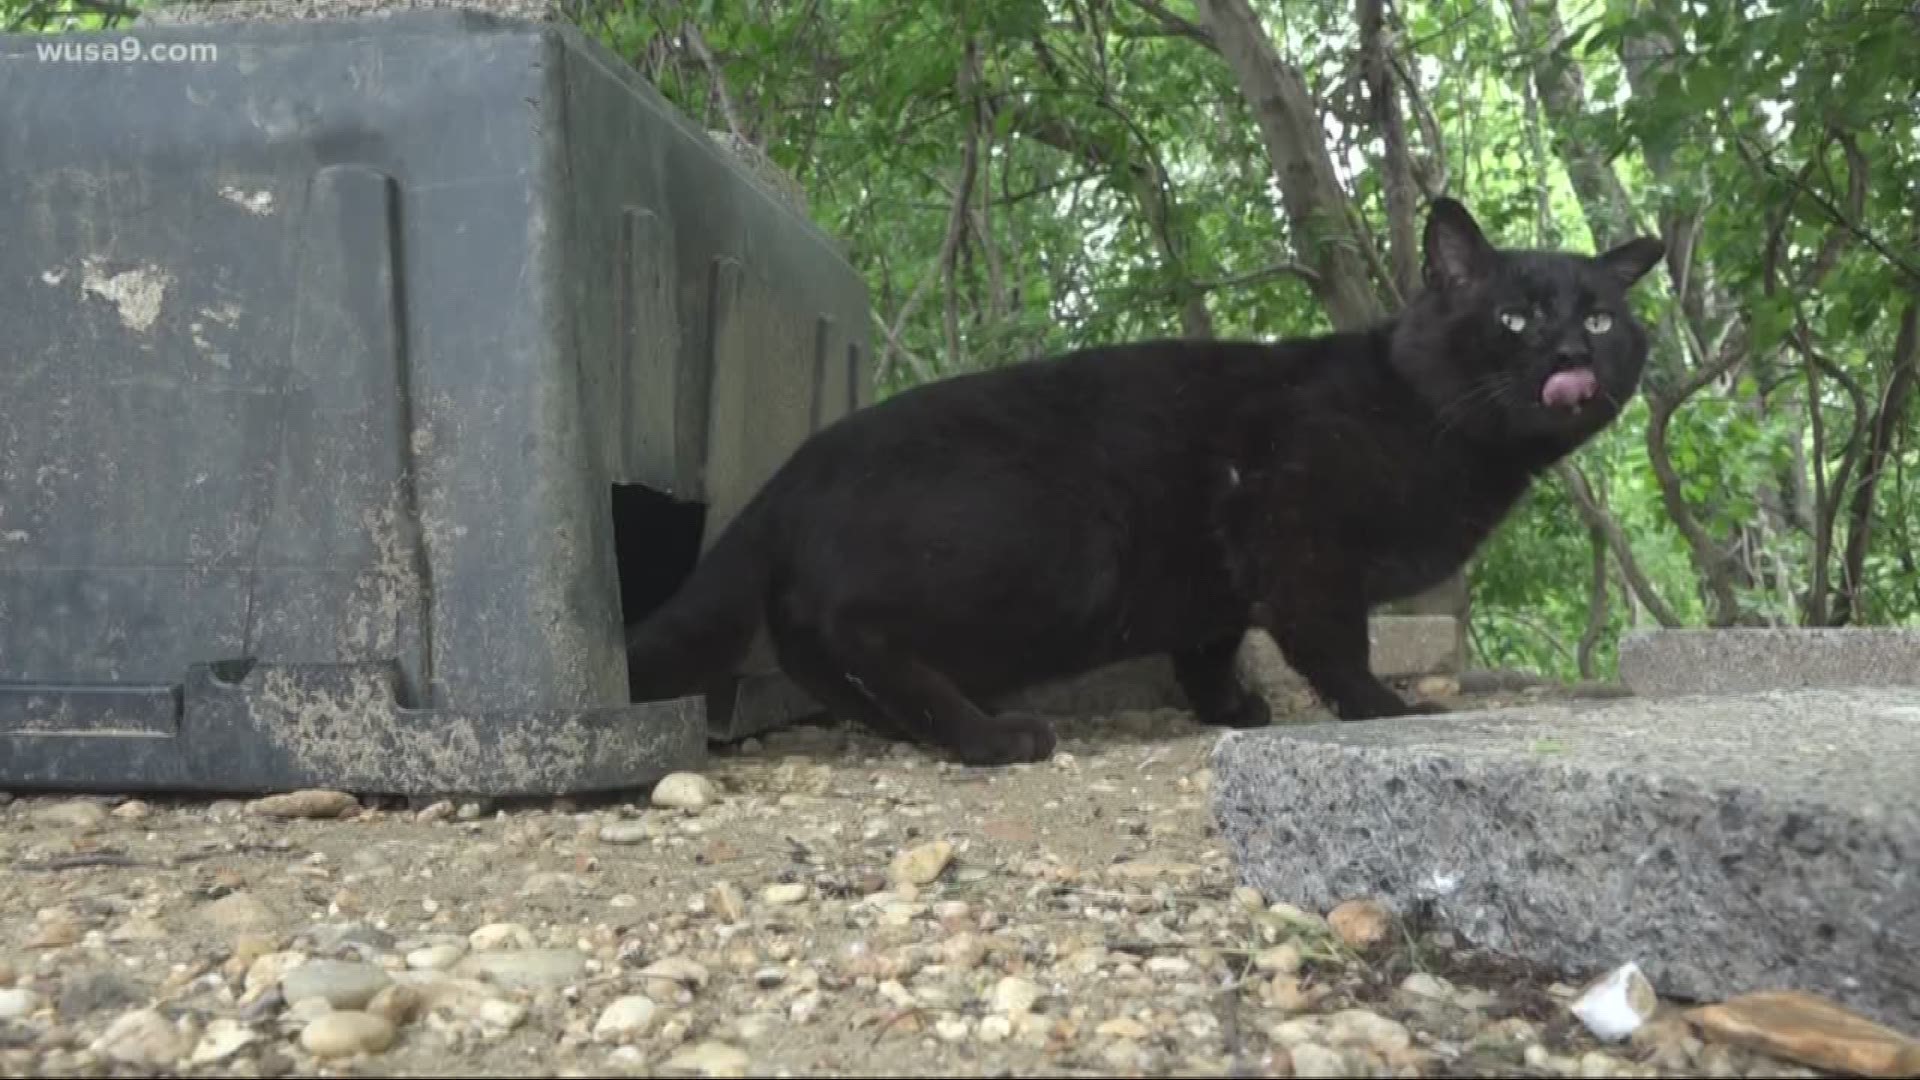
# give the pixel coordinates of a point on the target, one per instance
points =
(819, 903)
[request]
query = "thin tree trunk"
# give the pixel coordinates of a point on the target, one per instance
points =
(1563, 94)
(1596, 605)
(1887, 421)
(962, 196)
(1403, 252)
(1597, 519)
(1316, 207)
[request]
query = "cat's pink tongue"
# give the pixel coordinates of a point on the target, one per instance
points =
(1570, 387)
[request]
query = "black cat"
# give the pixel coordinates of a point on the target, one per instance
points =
(990, 531)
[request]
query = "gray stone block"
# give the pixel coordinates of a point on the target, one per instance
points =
(1726, 844)
(1662, 662)
(1409, 645)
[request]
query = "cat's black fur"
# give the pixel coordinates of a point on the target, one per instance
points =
(995, 530)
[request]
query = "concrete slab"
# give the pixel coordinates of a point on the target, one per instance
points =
(1727, 844)
(1661, 662)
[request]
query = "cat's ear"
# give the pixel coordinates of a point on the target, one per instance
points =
(1457, 252)
(1629, 262)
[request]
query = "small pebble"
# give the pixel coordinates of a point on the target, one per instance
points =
(922, 865)
(18, 1004)
(142, 1038)
(239, 911)
(525, 969)
(396, 1004)
(268, 969)
(675, 971)
(628, 1018)
(683, 791)
(502, 935)
(344, 984)
(435, 957)
(1281, 959)
(304, 804)
(85, 815)
(625, 832)
(726, 901)
(1311, 1059)
(788, 892)
(223, 1038)
(1013, 995)
(1360, 924)
(337, 1034)
(710, 1059)
(769, 977)
(501, 1015)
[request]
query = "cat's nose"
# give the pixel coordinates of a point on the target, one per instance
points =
(1572, 355)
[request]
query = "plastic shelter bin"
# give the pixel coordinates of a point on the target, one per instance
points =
(358, 380)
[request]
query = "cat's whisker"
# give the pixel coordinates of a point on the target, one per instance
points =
(1478, 393)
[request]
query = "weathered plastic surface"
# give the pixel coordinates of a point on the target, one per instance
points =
(318, 364)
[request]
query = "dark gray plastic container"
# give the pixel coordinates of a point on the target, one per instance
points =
(357, 383)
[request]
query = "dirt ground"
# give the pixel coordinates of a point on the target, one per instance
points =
(1078, 917)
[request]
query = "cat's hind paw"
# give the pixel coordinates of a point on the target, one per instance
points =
(1010, 738)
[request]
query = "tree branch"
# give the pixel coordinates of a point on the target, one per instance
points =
(698, 45)
(1828, 492)
(1887, 422)
(1763, 158)
(1709, 558)
(1434, 175)
(1599, 520)
(1264, 273)
(1172, 25)
(921, 368)
(1142, 174)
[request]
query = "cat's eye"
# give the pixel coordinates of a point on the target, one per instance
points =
(1513, 321)
(1599, 322)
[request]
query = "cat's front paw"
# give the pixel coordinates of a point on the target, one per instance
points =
(1011, 738)
(1376, 702)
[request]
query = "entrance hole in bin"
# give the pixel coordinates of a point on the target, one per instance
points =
(656, 542)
